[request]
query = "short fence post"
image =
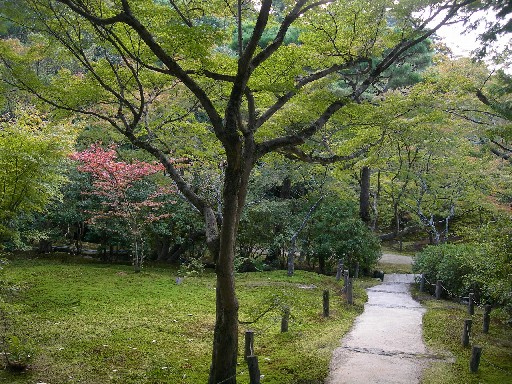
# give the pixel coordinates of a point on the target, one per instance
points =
(439, 288)
(350, 295)
(339, 271)
(254, 369)
(422, 283)
(356, 272)
(284, 320)
(476, 353)
(326, 303)
(249, 344)
(487, 318)
(471, 304)
(466, 332)
(345, 277)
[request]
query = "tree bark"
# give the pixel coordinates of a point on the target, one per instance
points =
(225, 338)
(240, 155)
(364, 196)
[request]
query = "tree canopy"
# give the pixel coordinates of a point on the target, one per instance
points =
(163, 74)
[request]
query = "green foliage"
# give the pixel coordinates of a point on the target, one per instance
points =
(451, 263)
(291, 37)
(336, 231)
(31, 167)
(478, 267)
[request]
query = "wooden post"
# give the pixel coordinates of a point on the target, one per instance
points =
(466, 332)
(345, 277)
(284, 320)
(326, 303)
(356, 272)
(439, 289)
(422, 283)
(249, 344)
(476, 353)
(254, 369)
(339, 271)
(487, 318)
(350, 295)
(471, 304)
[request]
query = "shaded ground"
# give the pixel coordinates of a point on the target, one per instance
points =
(385, 344)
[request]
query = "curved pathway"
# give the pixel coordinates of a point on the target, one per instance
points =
(385, 345)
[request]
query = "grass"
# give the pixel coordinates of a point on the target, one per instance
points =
(443, 324)
(94, 323)
(394, 268)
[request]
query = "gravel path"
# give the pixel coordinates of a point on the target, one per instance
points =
(385, 345)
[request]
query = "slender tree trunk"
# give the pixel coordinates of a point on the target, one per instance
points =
(375, 216)
(364, 196)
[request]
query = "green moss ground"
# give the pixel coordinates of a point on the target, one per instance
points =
(92, 323)
(443, 325)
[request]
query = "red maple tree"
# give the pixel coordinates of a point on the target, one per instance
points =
(114, 182)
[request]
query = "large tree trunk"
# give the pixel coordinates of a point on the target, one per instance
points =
(225, 338)
(364, 196)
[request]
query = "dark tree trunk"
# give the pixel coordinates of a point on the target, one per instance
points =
(364, 196)
(225, 338)
(321, 263)
(45, 246)
(163, 245)
(286, 188)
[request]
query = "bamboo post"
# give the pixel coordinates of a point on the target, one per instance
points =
(471, 304)
(326, 303)
(487, 318)
(339, 271)
(422, 283)
(350, 295)
(254, 369)
(476, 353)
(439, 288)
(249, 344)
(466, 332)
(285, 319)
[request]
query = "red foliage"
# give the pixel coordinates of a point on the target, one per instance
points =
(112, 179)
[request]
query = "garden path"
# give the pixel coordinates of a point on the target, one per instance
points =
(385, 345)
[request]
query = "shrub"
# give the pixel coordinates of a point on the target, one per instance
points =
(450, 263)
(469, 267)
(336, 232)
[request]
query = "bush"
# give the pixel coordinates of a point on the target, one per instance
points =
(336, 232)
(450, 263)
(465, 268)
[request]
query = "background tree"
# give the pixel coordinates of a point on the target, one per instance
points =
(32, 157)
(114, 183)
